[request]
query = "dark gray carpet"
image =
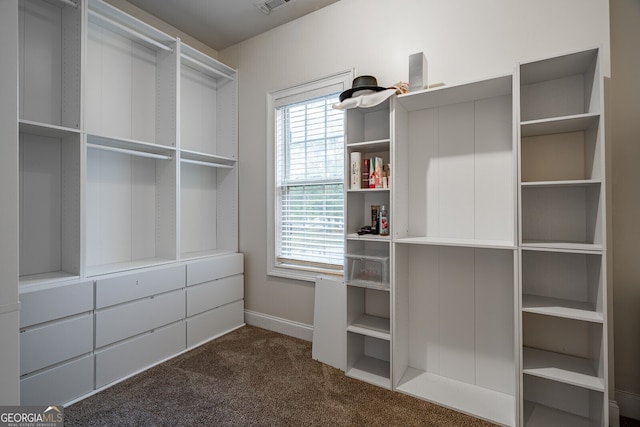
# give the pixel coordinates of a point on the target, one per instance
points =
(254, 377)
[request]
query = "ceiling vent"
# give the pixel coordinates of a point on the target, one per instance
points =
(267, 6)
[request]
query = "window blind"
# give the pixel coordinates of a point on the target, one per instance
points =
(309, 183)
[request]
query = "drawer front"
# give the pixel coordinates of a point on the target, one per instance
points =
(44, 305)
(139, 353)
(59, 385)
(128, 287)
(126, 320)
(56, 342)
(211, 324)
(207, 296)
(214, 268)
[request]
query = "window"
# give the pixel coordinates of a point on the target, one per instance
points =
(307, 175)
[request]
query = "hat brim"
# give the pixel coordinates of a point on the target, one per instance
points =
(349, 92)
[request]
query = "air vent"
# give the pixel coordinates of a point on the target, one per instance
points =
(270, 5)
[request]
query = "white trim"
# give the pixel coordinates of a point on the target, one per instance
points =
(629, 404)
(614, 414)
(10, 308)
(280, 325)
(273, 97)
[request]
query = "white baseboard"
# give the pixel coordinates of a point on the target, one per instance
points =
(629, 404)
(278, 324)
(614, 414)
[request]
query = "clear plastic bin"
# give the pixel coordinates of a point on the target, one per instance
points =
(367, 269)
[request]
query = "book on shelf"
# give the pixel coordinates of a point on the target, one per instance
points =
(365, 172)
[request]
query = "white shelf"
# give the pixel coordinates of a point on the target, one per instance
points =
(204, 158)
(43, 129)
(560, 367)
(468, 398)
(536, 415)
(378, 145)
(562, 246)
(131, 145)
(448, 95)
(561, 183)
(50, 277)
(560, 308)
(557, 67)
(367, 190)
(372, 326)
(368, 237)
(115, 20)
(466, 243)
(205, 64)
(98, 270)
(565, 124)
(188, 256)
(371, 370)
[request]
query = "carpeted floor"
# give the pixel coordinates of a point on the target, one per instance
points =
(254, 377)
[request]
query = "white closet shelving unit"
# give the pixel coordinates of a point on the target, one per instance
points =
(497, 254)
(208, 155)
(50, 141)
(563, 259)
(454, 248)
(128, 198)
(367, 256)
(131, 125)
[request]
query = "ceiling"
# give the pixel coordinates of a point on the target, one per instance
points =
(222, 23)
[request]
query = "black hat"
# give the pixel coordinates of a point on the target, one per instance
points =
(368, 83)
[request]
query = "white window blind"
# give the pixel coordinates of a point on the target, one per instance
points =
(309, 182)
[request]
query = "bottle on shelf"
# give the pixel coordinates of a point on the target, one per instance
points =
(384, 221)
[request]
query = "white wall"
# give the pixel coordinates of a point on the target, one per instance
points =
(9, 314)
(463, 40)
(625, 144)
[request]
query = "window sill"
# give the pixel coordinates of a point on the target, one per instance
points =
(301, 273)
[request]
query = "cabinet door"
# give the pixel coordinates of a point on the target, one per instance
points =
(214, 294)
(129, 287)
(215, 268)
(126, 320)
(213, 323)
(55, 342)
(59, 385)
(50, 304)
(138, 354)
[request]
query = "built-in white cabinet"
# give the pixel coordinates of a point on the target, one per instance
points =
(454, 248)
(367, 256)
(56, 339)
(215, 291)
(128, 197)
(496, 299)
(50, 140)
(563, 252)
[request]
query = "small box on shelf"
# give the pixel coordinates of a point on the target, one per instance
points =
(367, 269)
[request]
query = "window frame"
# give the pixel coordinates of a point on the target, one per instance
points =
(333, 83)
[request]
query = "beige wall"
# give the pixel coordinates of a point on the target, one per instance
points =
(625, 145)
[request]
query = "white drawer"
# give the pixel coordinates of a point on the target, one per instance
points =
(209, 295)
(128, 287)
(56, 342)
(44, 305)
(139, 353)
(214, 268)
(211, 324)
(59, 385)
(126, 320)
